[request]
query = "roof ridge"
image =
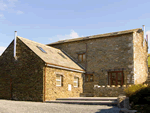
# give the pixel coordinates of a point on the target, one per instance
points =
(36, 42)
(100, 35)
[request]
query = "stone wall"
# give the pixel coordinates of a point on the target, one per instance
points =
(103, 54)
(148, 78)
(109, 91)
(5, 61)
(52, 91)
(140, 58)
(23, 77)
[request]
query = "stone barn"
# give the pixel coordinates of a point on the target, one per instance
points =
(39, 73)
(113, 59)
(98, 65)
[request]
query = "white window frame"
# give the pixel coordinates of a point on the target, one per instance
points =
(59, 80)
(76, 81)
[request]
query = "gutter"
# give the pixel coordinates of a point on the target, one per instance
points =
(65, 68)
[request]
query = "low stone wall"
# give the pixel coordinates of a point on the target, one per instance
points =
(109, 91)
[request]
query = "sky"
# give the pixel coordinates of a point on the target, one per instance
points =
(47, 21)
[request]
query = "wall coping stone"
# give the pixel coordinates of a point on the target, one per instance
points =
(109, 86)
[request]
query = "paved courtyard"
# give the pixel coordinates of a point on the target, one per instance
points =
(9, 106)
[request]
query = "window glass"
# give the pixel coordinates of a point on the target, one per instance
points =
(58, 83)
(76, 81)
(83, 57)
(80, 57)
(59, 80)
(75, 84)
(86, 78)
(58, 77)
(119, 78)
(91, 77)
(113, 75)
(41, 49)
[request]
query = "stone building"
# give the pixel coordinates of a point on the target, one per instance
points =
(71, 68)
(40, 73)
(148, 80)
(118, 58)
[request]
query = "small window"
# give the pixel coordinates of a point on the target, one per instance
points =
(89, 78)
(59, 80)
(41, 49)
(81, 57)
(76, 82)
(62, 55)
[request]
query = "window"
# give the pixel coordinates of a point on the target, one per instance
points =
(115, 78)
(62, 55)
(89, 78)
(81, 57)
(59, 80)
(41, 49)
(76, 82)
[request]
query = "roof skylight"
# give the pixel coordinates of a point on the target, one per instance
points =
(41, 49)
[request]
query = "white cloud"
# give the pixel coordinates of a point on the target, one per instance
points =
(12, 0)
(3, 6)
(2, 49)
(19, 12)
(148, 32)
(8, 5)
(1, 15)
(50, 38)
(72, 35)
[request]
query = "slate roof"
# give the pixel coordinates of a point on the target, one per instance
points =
(97, 36)
(52, 56)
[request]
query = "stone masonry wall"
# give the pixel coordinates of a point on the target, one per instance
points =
(140, 58)
(109, 91)
(26, 74)
(102, 55)
(5, 61)
(52, 91)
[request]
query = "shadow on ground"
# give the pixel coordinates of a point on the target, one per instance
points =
(114, 109)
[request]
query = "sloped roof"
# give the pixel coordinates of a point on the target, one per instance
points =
(96, 36)
(52, 56)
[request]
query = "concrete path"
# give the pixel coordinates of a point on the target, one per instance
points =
(8, 106)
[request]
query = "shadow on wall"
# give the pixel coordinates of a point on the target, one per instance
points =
(114, 109)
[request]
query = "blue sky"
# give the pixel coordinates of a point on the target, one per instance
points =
(48, 21)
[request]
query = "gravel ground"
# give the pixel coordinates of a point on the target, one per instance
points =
(8, 106)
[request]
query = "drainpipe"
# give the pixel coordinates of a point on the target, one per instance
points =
(86, 59)
(44, 92)
(15, 45)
